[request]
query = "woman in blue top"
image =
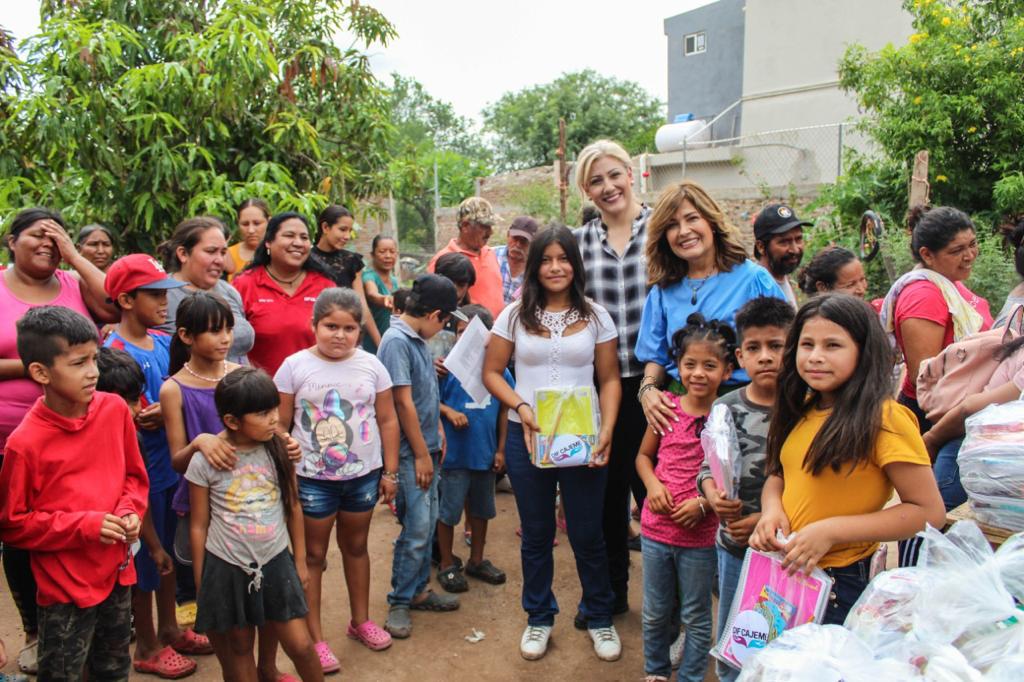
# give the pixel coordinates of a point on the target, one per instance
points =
(695, 263)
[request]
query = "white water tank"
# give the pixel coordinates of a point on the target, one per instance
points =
(670, 136)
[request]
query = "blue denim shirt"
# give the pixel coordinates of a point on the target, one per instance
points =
(408, 360)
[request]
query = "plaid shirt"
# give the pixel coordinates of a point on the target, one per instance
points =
(509, 285)
(618, 283)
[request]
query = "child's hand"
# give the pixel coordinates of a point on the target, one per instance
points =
(293, 448)
(112, 530)
(688, 513)
(424, 471)
(458, 419)
(764, 537)
(724, 508)
(499, 462)
(740, 529)
(163, 561)
(659, 499)
(151, 418)
(530, 428)
(217, 451)
(600, 454)
(386, 490)
(808, 545)
(303, 571)
(132, 526)
(439, 367)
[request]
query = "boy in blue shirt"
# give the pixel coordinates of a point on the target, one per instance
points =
(138, 285)
(475, 434)
(404, 353)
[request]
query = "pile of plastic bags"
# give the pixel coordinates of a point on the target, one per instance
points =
(958, 615)
(991, 464)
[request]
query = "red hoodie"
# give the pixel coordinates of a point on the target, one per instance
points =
(60, 477)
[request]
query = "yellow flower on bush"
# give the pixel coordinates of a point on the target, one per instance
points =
(946, 21)
(917, 100)
(972, 129)
(941, 178)
(917, 37)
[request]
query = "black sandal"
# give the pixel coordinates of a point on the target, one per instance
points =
(487, 572)
(452, 580)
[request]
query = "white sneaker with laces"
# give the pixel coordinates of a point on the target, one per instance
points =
(534, 643)
(675, 652)
(606, 643)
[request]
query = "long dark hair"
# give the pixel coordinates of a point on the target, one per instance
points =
(248, 390)
(824, 268)
(329, 216)
(197, 313)
(261, 257)
(849, 433)
(534, 297)
(186, 235)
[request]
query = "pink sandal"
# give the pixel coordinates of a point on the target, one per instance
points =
(369, 634)
(328, 661)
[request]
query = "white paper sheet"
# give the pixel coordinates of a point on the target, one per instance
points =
(466, 359)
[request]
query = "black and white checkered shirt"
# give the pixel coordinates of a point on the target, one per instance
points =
(618, 283)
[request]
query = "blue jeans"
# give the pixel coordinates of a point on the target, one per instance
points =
(691, 571)
(850, 582)
(729, 568)
(417, 512)
(583, 497)
(947, 475)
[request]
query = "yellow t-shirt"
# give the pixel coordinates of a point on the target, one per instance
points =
(236, 256)
(854, 490)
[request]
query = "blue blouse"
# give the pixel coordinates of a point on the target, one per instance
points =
(667, 308)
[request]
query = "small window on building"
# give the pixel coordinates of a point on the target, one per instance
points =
(694, 43)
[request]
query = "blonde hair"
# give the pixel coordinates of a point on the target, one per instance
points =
(592, 153)
(664, 268)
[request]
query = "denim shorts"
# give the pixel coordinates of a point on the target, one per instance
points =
(459, 486)
(320, 498)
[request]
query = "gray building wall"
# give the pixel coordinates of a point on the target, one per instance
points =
(705, 84)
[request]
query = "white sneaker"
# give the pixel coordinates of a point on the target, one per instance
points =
(675, 652)
(534, 643)
(606, 643)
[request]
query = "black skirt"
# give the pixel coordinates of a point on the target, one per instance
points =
(229, 597)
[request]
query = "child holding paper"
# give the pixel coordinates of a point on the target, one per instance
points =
(475, 434)
(677, 524)
(559, 338)
(761, 325)
(838, 445)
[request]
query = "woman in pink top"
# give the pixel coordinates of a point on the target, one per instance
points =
(945, 246)
(38, 242)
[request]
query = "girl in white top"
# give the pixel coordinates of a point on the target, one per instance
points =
(558, 338)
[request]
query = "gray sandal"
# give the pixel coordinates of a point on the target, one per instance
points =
(399, 622)
(436, 602)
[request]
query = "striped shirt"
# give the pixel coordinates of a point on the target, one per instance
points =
(619, 283)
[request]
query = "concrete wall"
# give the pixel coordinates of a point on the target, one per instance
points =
(705, 84)
(792, 50)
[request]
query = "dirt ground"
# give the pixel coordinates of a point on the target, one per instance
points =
(438, 649)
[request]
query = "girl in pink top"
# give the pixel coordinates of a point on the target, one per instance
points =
(677, 524)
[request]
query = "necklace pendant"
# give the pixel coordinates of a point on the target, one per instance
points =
(693, 299)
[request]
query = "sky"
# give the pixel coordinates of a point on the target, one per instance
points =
(471, 52)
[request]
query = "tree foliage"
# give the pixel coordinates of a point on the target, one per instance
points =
(139, 113)
(525, 123)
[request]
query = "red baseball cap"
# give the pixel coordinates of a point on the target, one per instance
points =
(137, 271)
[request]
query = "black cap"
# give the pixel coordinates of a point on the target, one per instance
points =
(776, 219)
(436, 293)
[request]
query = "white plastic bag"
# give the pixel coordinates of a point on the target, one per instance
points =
(884, 613)
(722, 450)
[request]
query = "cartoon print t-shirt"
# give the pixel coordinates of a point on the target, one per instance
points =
(247, 523)
(335, 420)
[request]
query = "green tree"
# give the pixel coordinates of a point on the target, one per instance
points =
(525, 123)
(137, 114)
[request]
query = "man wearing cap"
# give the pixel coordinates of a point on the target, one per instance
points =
(476, 221)
(403, 352)
(779, 244)
(512, 256)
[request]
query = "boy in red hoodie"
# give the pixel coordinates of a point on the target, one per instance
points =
(75, 491)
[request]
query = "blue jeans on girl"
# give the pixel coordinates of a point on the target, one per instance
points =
(691, 571)
(850, 582)
(583, 497)
(729, 568)
(947, 475)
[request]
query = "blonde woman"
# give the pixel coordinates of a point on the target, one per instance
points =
(612, 248)
(695, 263)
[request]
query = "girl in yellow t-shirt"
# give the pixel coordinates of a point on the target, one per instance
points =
(838, 445)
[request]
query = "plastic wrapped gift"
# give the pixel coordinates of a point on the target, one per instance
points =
(722, 450)
(569, 420)
(884, 613)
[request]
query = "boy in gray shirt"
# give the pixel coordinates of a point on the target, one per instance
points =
(761, 325)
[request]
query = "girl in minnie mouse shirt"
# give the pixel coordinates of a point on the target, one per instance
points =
(336, 400)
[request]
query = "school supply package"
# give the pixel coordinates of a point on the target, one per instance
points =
(957, 615)
(722, 450)
(768, 602)
(991, 462)
(569, 420)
